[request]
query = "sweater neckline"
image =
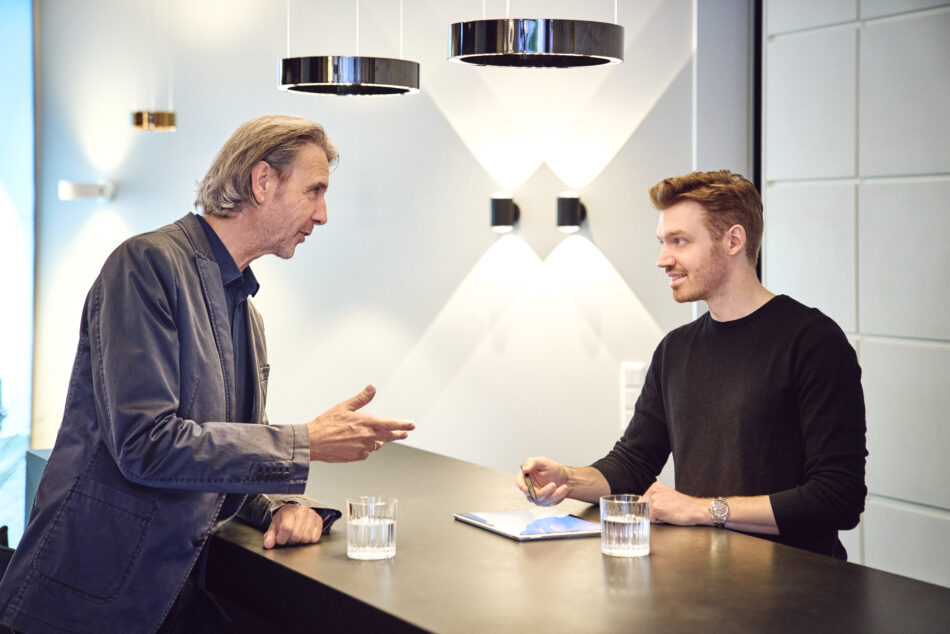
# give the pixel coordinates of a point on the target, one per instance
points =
(764, 309)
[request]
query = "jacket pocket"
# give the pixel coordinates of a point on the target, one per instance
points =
(94, 541)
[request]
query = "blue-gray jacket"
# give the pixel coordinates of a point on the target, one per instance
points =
(146, 453)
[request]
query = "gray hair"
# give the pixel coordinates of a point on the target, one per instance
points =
(275, 139)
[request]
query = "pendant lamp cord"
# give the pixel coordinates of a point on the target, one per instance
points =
(171, 57)
(153, 40)
(288, 28)
(357, 28)
(400, 30)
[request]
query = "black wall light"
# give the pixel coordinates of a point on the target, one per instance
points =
(504, 213)
(570, 212)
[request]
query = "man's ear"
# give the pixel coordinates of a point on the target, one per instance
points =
(263, 181)
(736, 239)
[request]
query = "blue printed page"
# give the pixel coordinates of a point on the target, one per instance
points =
(533, 521)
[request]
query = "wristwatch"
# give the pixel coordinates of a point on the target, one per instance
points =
(719, 511)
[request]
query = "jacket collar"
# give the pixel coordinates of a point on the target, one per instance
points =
(191, 226)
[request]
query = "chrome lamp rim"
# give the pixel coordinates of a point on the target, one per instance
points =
(536, 43)
(349, 75)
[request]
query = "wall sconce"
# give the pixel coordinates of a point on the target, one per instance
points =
(504, 212)
(570, 212)
(103, 190)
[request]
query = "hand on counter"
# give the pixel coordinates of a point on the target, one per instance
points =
(293, 524)
(750, 514)
(344, 434)
(672, 507)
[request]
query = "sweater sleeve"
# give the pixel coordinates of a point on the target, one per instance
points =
(832, 417)
(638, 457)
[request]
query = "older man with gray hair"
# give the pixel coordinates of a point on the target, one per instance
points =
(164, 436)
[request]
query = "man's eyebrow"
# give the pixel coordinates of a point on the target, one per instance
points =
(670, 234)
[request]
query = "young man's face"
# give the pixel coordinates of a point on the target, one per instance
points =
(299, 202)
(695, 263)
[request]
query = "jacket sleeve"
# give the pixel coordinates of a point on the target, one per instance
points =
(259, 509)
(638, 457)
(832, 416)
(137, 320)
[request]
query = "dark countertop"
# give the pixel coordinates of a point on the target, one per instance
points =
(451, 577)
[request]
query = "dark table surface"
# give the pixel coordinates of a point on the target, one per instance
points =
(451, 577)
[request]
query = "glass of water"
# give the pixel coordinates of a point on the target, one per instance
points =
(371, 528)
(624, 525)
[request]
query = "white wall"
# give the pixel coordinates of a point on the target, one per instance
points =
(498, 348)
(856, 137)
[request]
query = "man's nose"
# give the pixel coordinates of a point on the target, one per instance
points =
(319, 216)
(664, 260)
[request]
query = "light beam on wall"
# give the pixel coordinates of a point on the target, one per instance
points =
(559, 325)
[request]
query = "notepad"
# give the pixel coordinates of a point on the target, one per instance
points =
(531, 524)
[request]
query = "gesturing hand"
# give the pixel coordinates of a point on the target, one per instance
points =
(344, 434)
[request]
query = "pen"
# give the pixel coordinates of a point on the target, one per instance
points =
(527, 480)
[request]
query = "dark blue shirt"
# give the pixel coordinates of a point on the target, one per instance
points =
(238, 286)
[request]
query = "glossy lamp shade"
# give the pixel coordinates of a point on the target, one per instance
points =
(346, 75)
(570, 212)
(504, 213)
(536, 43)
(157, 120)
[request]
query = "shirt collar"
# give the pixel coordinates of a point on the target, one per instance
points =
(230, 273)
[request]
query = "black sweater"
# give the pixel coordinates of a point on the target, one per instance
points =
(767, 404)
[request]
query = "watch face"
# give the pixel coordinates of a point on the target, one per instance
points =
(719, 510)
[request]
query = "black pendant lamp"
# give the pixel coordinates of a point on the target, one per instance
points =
(346, 75)
(349, 75)
(536, 43)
